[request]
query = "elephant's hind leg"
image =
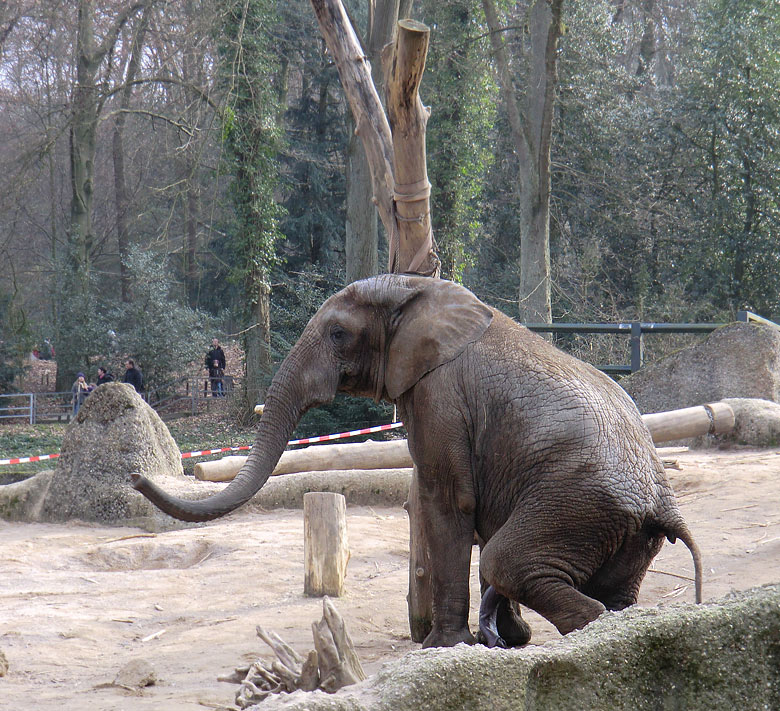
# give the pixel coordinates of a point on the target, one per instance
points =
(531, 574)
(616, 583)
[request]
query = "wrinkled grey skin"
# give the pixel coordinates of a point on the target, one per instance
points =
(540, 454)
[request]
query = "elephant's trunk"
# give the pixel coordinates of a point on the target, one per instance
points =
(282, 411)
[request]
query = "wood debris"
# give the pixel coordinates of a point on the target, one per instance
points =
(331, 665)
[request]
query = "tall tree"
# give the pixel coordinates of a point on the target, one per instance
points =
(527, 75)
(87, 103)
(252, 137)
(130, 69)
(362, 225)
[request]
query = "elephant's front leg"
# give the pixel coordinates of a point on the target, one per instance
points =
(449, 531)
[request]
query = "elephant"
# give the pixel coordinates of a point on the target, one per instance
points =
(539, 457)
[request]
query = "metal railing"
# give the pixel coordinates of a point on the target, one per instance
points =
(636, 330)
(37, 407)
(186, 396)
(191, 394)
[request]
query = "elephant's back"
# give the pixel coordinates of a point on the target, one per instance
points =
(552, 404)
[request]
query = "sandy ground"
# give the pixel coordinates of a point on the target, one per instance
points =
(79, 602)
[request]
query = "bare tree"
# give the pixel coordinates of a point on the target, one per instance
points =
(528, 90)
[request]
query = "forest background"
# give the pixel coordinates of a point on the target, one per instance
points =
(171, 170)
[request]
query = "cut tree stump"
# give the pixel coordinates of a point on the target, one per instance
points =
(325, 548)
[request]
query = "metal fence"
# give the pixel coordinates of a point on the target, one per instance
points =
(185, 396)
(636, 331)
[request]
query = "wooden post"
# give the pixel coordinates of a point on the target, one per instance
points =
(419, 599)
(416, 250)
(325, 548)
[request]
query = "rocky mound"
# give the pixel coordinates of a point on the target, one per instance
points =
(115, 434)
(740, 360)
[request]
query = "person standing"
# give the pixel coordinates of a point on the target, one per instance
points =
(103, 377)
(79, 390)
(215, 364)
(133, 376)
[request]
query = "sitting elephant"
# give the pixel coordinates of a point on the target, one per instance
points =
(540, 455)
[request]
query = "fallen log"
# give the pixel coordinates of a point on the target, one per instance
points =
(393, 454)
(713, 418)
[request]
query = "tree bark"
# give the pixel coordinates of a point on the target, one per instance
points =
(415, 251)
(531, 128)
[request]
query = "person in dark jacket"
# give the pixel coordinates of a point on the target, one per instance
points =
(215, 364)
(103, 376)
(133, 376)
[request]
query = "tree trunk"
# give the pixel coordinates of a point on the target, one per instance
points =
(531, 129)
(416, 249)
(400, 181)
(257, 344)
(362, 226)
(121, 198)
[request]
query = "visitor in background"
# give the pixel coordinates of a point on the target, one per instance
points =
(79, 390)
(133, 376)
(103, 376)
(215, 363)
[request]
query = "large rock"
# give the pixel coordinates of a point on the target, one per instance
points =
(711, 657)
(736, 361)
(114, 434)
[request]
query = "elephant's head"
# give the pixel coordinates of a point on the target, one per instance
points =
(377, 338)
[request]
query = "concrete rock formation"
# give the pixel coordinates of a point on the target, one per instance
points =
(114, 434)
(711, 657)
(736, 361)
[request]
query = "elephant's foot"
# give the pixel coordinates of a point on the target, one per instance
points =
(488, 618)
(514, 630)
(448, 638)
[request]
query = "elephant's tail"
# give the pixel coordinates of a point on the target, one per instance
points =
(679, 529)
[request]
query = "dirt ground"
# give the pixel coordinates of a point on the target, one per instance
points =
(79, 602)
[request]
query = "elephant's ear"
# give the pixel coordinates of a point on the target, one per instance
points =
(430, 328)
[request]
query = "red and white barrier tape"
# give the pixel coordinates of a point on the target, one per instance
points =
(24, 460)
(206, 452)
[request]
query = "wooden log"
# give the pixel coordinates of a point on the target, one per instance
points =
(408, 119)
(393, 454)
(419, 599)
(713, 418)
(325, 548)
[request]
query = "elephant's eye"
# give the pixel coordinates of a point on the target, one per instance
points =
(338, 335)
